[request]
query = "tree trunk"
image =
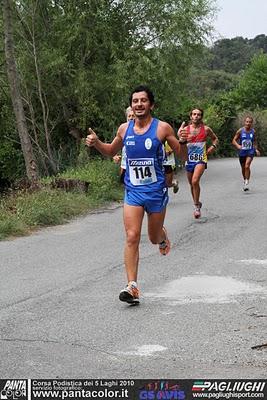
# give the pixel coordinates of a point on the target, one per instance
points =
(45, 109)
(13, 78)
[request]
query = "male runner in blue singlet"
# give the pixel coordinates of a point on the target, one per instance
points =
(145, 187)
(246, 144)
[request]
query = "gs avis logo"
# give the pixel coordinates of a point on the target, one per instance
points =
(14, 389)
(160, 390)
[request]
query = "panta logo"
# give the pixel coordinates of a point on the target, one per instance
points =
(14, 390)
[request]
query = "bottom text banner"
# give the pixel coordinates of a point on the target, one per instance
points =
(140, 389)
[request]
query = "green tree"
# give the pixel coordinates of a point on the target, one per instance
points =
(233, 55)
(14, 83)
(251, 91)
(79, 60)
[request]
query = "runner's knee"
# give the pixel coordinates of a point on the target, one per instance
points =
(132, 237)
(195, 181)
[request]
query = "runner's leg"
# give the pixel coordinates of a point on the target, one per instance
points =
(168, 175)
(133, 218)
(198, 172)
(189, 178)
(168, 179)
(247, 167)
(194, 179)
(156, 233)
(243, 169)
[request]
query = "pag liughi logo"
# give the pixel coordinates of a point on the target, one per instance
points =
(229, 386)
(199, 386)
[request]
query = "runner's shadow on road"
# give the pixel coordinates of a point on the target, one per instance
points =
(201, 220)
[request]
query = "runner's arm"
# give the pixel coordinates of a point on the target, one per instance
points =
(107, 149)
(235, 140)
(256, 144)
(214, 139)
(178, 146)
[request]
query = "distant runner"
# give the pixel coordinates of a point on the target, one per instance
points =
(121, 159)
(169, 168)
(145, 187)
(197, 134)
(246, 143)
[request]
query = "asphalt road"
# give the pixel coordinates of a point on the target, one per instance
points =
(203, 307)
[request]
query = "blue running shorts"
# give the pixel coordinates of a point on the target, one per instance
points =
(190, 167)
(153, 202)
(242, 159)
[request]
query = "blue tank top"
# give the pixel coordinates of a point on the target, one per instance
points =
(246, 140)
(145, 155)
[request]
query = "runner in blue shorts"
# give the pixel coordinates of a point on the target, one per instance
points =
(197, 134)
(246, 143)
(145, 187)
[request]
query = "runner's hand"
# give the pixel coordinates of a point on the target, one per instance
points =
(117, 159)
(258, 153)
(182, 133)
(91, 138)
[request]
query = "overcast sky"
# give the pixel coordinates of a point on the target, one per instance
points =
(246, 18)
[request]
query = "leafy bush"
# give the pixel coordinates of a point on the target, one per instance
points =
(22, 211)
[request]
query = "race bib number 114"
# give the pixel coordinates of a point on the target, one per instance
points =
(142, 171)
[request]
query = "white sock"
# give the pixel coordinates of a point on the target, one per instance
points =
(132, 283)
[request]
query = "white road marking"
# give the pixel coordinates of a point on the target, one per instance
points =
(145, 350)
(252, 261)
(206, 289)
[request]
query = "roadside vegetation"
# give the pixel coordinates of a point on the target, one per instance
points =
(23, 211)
(67, 65)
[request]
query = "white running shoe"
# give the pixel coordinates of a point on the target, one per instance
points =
(246, 186)
(130, 294)
(197, 212)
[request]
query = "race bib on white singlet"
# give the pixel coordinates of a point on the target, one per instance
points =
(195, 157)
(196, 152)
(246, 144)
(142, 171)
